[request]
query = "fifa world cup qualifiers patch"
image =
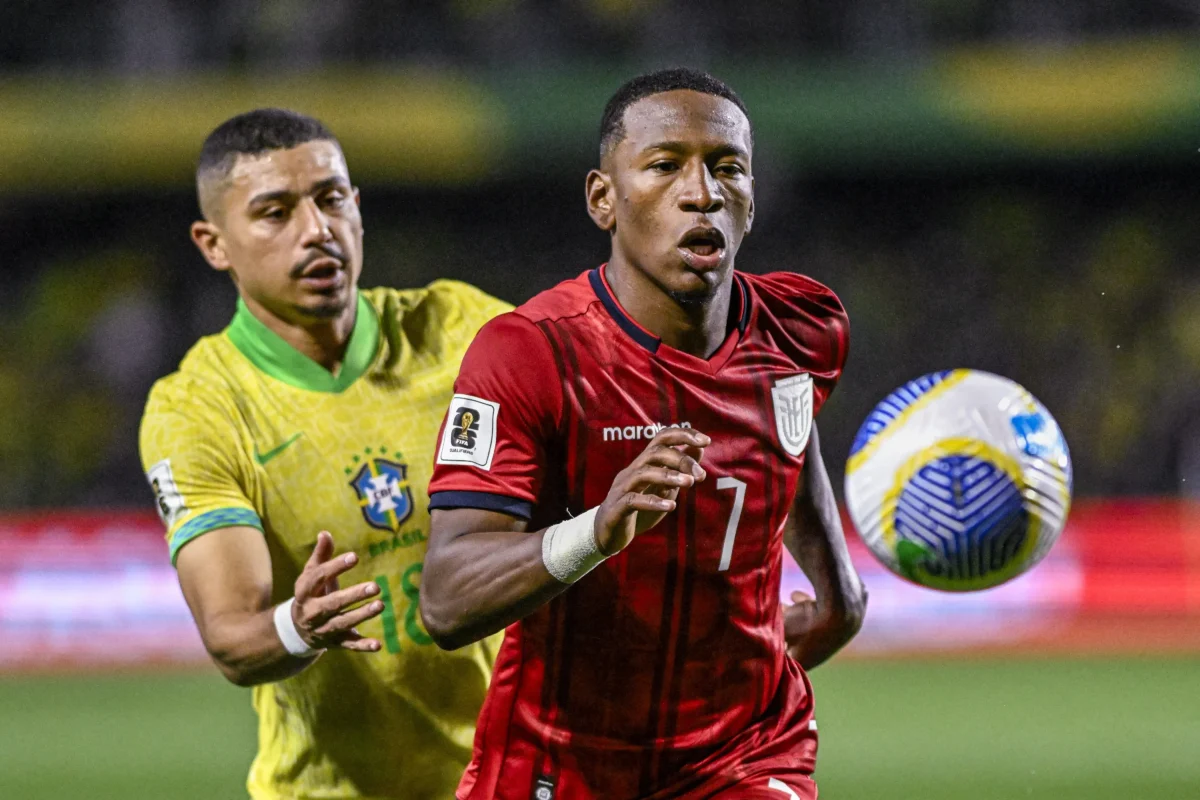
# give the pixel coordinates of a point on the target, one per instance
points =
(167, 496)
(470, 434)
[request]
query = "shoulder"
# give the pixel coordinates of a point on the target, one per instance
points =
(199, 405)
(522, 332)
(793, 294)
(193, 414)
(512, 360)
(806, 315)
(201, 385)
(570, 298)
(446, 302)
(439, 318)
(509, 341)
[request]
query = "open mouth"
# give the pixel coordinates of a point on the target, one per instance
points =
(321, 266)
(702, 247)
(323, 269)
(324, 275)
(703, 241)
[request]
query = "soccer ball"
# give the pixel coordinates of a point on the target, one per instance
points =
(959, 480)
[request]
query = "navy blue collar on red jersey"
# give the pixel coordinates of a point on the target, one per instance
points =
(640, 334)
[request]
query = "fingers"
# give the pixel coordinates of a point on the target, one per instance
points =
(696, 453)
(322, 623)
(636, 501)
(650, 484)
(344, 623)
(681, 437)
(359, 644)
(318, 609)
(799, 618)
(670, 461)
(333, 603)
(322, 551)
(664, 477)
(657, 455)
(313, 580)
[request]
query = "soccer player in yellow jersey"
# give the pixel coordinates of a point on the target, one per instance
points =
(316, 410)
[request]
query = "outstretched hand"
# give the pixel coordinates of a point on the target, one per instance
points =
(645, 491)
(325, 615)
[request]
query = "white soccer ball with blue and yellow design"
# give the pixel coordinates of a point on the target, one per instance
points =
(959, 480)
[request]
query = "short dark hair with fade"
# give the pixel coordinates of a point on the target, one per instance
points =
(612, 124)
(257, 132)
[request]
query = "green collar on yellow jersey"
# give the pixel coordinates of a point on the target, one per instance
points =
(271, 354)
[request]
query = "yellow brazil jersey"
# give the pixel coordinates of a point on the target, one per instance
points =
(251, 432)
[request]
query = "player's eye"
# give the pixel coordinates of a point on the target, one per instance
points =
(333, 199)
(664, 166)
(273, 212)
(729, 168)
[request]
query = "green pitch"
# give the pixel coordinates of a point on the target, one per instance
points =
(891, 730)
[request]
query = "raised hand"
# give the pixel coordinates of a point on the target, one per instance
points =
(325, 615)
(645, 491)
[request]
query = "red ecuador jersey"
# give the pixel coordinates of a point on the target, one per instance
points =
(663, 672)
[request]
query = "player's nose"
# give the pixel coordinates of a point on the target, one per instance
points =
(315, 224)
(701, 192)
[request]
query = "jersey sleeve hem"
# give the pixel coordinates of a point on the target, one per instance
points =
(211, 521)
(485, 501)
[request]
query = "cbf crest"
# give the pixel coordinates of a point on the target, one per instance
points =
(383, 491)
(793, 401)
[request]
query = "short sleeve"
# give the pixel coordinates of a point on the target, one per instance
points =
(504, 413)
(189, 451)
(812, 320)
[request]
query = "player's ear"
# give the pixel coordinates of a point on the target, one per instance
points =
(600, 200)
(207, 238)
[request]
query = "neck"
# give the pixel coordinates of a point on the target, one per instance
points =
(321, 340)
(697, 329)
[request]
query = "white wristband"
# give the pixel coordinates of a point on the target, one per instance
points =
(286, 628)
(569, 548)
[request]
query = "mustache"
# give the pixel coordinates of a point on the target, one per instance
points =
(326, 250)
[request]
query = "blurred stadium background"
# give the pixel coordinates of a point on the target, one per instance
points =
(1008, 185)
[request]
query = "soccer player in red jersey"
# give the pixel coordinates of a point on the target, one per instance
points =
(624, 459)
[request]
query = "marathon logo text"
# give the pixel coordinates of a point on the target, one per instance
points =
(628, 433)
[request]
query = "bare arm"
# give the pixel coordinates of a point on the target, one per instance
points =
(226, 579)
(483, 571)
(816, 628)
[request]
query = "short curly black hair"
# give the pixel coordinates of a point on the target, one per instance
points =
(256, 132)
(252, 133)
(612, 124)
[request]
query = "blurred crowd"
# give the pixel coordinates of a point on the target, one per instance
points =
(1081, 281)
(165, 36)
(1082, 284)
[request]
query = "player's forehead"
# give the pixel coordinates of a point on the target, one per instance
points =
(295, 169)
(699, 119)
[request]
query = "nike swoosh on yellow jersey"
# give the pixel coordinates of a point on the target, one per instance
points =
(263, 458)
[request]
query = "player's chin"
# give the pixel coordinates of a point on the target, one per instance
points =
(695, 287)
(325, 306)
(691, 298)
